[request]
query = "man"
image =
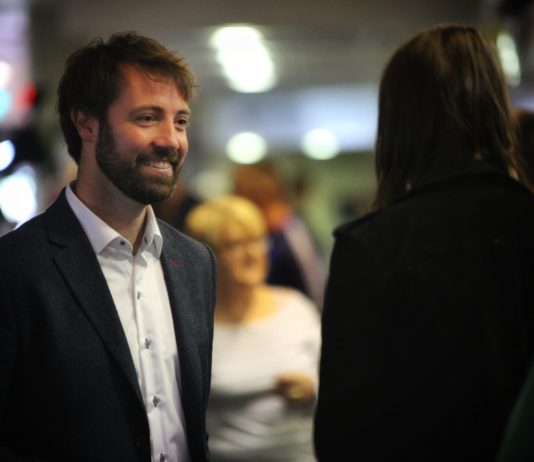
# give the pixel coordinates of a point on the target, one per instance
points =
(106, 314)
(428, 316)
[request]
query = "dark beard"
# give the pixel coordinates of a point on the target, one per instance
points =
(125, 175)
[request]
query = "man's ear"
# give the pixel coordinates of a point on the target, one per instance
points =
(86, 125)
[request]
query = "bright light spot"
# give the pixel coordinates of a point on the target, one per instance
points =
(320, 144)
(18, 199)
(245, 60)
(5, 103)
(6, 70)
(7, 154)
(246, 148)
(509, 59)
(235, 36)
(248, 71)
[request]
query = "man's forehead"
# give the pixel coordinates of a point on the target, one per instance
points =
(139, 80)
(132, 72)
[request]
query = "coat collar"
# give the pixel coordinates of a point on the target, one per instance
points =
(465, 170)
(445, 175)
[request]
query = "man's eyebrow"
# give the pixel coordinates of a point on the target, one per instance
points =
(186, 112)
(149, 107)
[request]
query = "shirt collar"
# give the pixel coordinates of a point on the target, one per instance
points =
(101, 235)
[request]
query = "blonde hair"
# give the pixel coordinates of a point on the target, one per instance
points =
(207, 220)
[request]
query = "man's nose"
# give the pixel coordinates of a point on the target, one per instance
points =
(167, 136)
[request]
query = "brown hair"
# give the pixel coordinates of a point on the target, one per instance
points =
(442, 99)
(92, 77)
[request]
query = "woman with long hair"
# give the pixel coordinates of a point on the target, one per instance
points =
(428, 318)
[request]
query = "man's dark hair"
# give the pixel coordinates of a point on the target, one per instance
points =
(93, 77)
(442, 100)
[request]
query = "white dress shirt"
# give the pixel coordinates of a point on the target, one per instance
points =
(137, 285)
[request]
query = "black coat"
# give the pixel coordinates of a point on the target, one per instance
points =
(428, 323)
(68, 385)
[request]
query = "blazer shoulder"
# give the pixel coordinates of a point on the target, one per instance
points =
(30, 232)
(180, 241)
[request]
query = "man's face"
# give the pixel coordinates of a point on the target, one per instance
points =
(143, 143)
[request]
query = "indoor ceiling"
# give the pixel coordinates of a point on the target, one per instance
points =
(312, 42)
(318, 47)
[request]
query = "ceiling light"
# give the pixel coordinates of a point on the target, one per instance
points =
(18, 199)
(320, 144)
(246, 148)
(7, 154)
(244, 59)
(509, 59)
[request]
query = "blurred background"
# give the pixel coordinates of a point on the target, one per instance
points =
(293, 81)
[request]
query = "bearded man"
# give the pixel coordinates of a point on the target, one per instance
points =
(106, 313)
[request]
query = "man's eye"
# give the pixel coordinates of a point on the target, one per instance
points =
(146, 118)
(182, 123)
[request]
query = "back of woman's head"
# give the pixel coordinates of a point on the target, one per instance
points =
(442, 100)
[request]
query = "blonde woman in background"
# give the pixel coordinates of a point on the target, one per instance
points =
(266, 344)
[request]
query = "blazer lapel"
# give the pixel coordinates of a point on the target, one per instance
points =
(178, 290)
(185, 317)
(80, 268)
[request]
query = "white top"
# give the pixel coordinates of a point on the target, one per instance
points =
(247, 420)
(138, 288)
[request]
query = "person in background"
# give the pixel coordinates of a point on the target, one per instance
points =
(428, 322)
(106, 314)
(293, 255)
(266, 344)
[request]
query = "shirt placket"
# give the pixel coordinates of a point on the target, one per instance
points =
(149, 350)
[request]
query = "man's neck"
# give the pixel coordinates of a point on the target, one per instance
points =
(123, 214)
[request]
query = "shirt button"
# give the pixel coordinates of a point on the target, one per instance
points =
(148, 343)
(156, 401)
(122, 243)
(162, 457)
(138, 295)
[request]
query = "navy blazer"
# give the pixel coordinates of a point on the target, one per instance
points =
(68, 385)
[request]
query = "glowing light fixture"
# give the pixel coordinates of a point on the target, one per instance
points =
(18, 199)
(509, 58)
(244, 58)
(246, 148)
(7, 154)
(320, 144)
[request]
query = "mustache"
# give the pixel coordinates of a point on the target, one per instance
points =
(171, 155)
